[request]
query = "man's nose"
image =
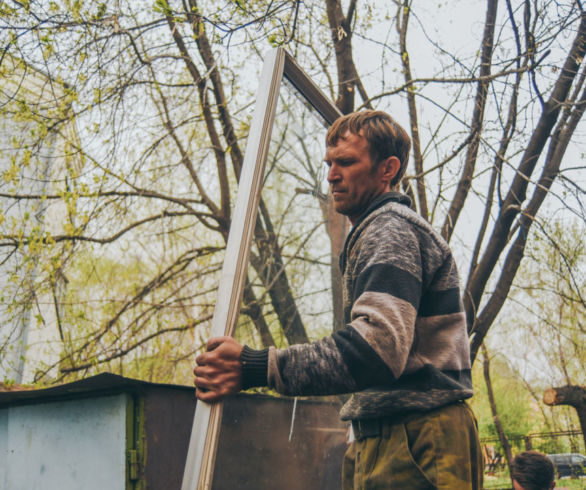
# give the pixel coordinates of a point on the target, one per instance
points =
(333, 174)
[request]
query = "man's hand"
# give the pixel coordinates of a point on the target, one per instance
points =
(218, 372)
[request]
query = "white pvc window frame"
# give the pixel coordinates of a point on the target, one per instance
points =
(199, 465)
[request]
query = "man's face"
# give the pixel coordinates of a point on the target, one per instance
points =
(353, 182)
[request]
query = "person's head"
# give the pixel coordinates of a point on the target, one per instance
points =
(532, 470)
(367, 153)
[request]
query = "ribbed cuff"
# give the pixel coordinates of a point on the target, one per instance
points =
(254, 367)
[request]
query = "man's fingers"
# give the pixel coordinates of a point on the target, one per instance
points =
(205, 383)
(210, 391)
(213, 365)
(207, 396)
(199, 361)
(215, 342)
(213, 380)
(205, 370)
(218, 372)
(209, 355)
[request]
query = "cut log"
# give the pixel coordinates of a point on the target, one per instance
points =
(572, 395)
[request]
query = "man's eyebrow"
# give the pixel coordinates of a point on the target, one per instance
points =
(346, 159)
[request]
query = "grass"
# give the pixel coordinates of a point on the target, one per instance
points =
(502, 482)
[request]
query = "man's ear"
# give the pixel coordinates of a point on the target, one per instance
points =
(390, 168)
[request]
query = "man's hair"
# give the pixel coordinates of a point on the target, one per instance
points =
(384, 136)
(533, 471)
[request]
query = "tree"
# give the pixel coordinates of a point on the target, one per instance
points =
(551, 314)
(161, 99)
(128, 192)
(560, 108)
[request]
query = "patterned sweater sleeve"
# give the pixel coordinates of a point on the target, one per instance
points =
(383, 289)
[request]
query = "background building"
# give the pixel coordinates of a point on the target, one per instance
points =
(35, 159)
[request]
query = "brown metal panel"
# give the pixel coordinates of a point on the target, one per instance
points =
(167, 419)
(258, 451)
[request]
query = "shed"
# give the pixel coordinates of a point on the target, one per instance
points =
(112, 432)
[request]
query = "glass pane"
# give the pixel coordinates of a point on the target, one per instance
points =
(290, 259)
(269, 441)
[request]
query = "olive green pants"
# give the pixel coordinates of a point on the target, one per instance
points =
(437, 449)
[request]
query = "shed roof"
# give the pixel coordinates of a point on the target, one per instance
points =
(99, 385)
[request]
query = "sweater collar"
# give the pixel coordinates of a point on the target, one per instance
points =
(381, 200)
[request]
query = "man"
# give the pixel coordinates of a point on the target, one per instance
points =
(532, 470)
(404, 351)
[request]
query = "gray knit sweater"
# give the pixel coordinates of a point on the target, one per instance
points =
(405, 345)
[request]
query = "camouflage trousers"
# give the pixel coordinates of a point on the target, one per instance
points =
(437, 449)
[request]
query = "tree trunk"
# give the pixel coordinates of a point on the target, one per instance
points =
(342, 39)
(493, 408)
(402, 23)
(348, 80)
(467, 174)
(337, 227)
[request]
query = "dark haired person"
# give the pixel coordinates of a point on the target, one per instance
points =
(404, 351)
(532, 470)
